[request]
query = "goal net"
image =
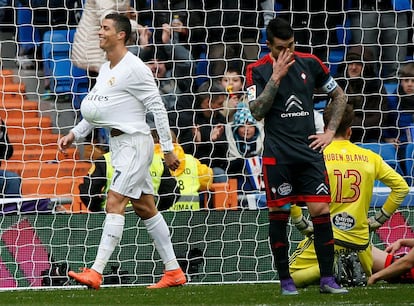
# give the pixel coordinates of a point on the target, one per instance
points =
(46, 228)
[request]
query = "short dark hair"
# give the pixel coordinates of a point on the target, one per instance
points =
(346, 121)
(122, 24)
(278, 28)
(407, 70)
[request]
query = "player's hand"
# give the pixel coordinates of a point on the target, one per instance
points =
(65, 142)
(303, 225)
(394, 247)
(373, 224)
(321, 141)
(171, 160)
(282, 64)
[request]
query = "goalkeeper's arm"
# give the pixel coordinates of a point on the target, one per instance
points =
(399, 190)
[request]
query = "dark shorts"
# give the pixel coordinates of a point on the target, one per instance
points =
(295, 183)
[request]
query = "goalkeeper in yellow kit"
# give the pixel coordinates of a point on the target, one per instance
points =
(352, 173)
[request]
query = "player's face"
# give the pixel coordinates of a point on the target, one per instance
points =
(108, 36)
(278, 45)
(355, 70)
(407, 85)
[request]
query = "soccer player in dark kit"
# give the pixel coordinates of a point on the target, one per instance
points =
(280, 89)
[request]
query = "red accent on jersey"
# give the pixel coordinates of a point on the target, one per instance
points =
(309, 55)
(249, 76)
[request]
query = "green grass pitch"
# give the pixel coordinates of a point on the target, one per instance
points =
(228, 294)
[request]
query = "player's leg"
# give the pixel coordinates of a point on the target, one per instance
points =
(158, 230)
(313, 183)
(379, 257)
(111, 235)
(279, 212)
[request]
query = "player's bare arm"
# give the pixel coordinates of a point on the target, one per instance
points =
(261, 106)
(338, 102)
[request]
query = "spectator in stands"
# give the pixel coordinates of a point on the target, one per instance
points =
(96, 184)
(233, 30)
(171, 65)
(187, 21)
(382, 27)
(315, 24)
(86, 53)
(401, 106)
(245, 137)
(352, 182)
(391, 266)
(292, 159)
(10, 182)
(201, 127)
(233, 82)
(192, 176)
(365, 93)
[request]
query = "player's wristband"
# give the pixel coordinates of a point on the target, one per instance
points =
(382, 216)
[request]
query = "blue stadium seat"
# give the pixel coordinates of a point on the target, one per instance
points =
(387, 152)
(57, 64)
(27, 35)
(201, 70)
(335, 57)
(264, 49)
(391, 88)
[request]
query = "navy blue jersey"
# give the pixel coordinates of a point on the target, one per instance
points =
(290, 121)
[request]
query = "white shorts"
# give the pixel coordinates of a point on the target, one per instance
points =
(131, 160)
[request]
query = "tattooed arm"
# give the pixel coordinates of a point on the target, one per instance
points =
(261, 106)
(263, 103)
(338, 104)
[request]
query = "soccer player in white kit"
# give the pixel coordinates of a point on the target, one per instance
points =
(125, 89)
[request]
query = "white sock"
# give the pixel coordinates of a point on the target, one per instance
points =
(158, 230)
(111, 235)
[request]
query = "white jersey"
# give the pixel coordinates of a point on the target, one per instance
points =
(120, 99)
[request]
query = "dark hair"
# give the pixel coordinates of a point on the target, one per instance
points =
(122, 24)
(209, 89)
(407, 70)
(346, 121)
(278, 28)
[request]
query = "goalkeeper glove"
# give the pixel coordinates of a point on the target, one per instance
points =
(375, 222)
(303, 225)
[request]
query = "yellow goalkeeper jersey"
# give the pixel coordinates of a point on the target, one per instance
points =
(352, 173)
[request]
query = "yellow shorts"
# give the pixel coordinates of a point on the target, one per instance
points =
(304, 267)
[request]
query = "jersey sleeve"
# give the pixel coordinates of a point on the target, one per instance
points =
(392, 179)
(146, 90)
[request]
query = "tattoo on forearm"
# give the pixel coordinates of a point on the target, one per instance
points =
(339, 101)
(263, 103)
